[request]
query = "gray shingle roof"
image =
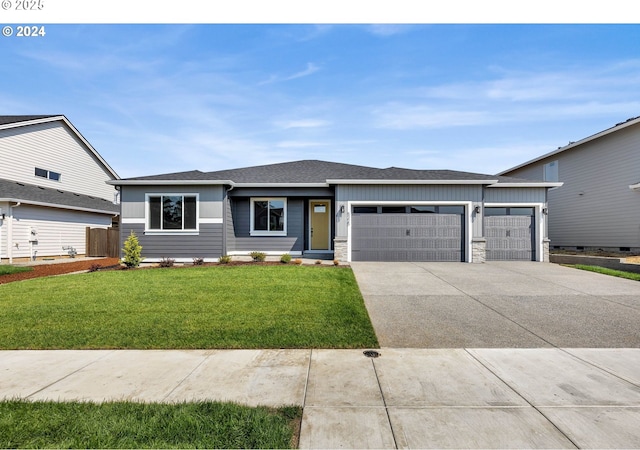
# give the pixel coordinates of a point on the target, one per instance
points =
(314, 171)
(42, 195)
(5, 120)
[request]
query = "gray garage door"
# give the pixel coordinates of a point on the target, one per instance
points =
(411, 233)
(510, 234)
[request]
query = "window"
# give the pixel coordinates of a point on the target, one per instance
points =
(42, 173)
(269, 216)
(172, 212)
(515, 211)
(365, 210)
(551, 171)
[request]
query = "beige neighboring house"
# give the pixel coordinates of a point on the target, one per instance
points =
(52, 187)
(598, 206)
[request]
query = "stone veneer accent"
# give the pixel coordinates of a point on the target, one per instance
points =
(478, 250)
(340, 250)
(545, 250)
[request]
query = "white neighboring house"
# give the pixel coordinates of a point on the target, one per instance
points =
(52, 186)
(598, 207)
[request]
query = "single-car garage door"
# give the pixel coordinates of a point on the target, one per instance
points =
(407, 233)
(510, 234)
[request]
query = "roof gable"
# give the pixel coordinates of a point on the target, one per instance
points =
(572, 145)
(8, 122)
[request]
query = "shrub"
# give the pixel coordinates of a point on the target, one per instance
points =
(226, 259)
(132, 251)
(285, 259)
(297, 261)
(198, 261)
(167, 262)
(258, 256)
(95, 267)
(318, 261)
(336, 262)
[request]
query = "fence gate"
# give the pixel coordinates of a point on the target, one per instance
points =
(103, 242)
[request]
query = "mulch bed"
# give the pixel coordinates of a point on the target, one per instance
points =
(46, 270)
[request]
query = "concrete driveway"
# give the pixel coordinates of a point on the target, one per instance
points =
(498, 305)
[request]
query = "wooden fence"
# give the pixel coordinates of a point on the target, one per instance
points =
(103, 242)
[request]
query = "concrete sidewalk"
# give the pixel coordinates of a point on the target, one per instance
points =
(406, 398)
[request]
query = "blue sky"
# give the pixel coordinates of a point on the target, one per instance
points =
(481, 98)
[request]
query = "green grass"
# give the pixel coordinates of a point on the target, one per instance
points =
(611, 272)
(26, 424)
(8, 270)
(188, 308)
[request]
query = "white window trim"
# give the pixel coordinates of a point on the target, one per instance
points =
(252, 231)
(147, 212)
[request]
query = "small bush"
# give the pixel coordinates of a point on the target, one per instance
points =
(258, 256)
(285, 259)
(226, 259)
(318, 261)
(167, 262)
(198, 261)
(297, 261)
(132, 251)
(336, 262)
(95, 267)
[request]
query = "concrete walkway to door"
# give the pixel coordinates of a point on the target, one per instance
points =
(498, 305)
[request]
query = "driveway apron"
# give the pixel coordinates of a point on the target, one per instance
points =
(498, 305)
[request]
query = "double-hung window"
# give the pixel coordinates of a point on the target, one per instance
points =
(172, 212)
(269, 216)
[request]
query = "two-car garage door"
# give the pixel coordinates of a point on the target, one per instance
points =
(437, 233)
(407, 233)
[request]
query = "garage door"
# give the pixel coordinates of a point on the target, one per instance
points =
(407, 233)
(510, 234)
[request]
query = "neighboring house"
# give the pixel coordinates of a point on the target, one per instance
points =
(351, 213)
(52, 187)
(598, 207)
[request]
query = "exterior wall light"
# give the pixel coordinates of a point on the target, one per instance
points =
(545, 211)
(342, 209)
(477, 209)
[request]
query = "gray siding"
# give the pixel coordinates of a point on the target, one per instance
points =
(595, 207)
(53, 146)
(207, 244)
(133, 199)
(515, 195)
(238, 229)
(408, 193)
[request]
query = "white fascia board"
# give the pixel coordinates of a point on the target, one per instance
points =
(613, 129)
(75, 131)
(634, 187)
(412, 181)
(541, 184)
(281, 185)
(168, 182)
(55, 205)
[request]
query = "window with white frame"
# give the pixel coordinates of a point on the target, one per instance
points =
(269, 216)
(551, 171)
(172, 212)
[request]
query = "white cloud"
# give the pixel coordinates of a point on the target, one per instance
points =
(303, 123)
(311, 69)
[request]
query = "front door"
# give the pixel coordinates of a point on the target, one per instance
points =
(320, 224)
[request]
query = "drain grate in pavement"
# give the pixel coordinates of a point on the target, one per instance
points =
(371, 353)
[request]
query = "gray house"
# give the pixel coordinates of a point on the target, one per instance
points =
(347, 212)
(598, 207)
(52, 187)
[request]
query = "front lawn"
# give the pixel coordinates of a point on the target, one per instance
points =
(25, 424)
(252, 306)
(611, 272)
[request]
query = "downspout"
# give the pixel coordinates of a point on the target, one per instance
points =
(10, 232)
(226, 214)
